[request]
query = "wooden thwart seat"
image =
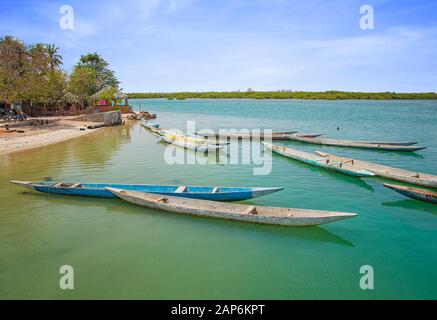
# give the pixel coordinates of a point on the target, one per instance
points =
(162, 199)
(250, 210)
(181, 189)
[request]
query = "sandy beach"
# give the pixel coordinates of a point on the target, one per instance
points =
(36, 136)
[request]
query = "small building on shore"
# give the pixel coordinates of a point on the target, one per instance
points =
(110, 99)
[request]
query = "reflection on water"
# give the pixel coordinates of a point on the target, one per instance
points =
(411, 204)
(90, 151)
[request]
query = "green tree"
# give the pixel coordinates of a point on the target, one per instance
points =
(82, 82)
(55, 57)
(13, 66)
(104, 76)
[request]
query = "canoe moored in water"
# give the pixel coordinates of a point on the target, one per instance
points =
(247, 135)
(304, 135)
(391, 146)
(232, 211)
(316, 160)
(187, 142)
(414, 193)
(417, 178)
(152, 127)
(196, 192)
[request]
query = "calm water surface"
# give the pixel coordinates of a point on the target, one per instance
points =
(122, 251)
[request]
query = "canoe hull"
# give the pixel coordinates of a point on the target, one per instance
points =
(195, 192)
(234, 212)
(359, 144)
(195, 146)
(243, 136)
(307, 158)
(416, 178)
(414, 193)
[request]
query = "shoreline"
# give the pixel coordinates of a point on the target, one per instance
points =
(40, 136)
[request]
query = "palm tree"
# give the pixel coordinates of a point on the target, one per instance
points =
(55, 58)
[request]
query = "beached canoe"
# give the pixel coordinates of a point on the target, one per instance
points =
(392, 146)
(414, 193)
(232, 211)
(417, 178)
(318, 161)
(247, 135)
(195, 192)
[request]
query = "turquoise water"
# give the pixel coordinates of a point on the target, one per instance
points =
(119, 250)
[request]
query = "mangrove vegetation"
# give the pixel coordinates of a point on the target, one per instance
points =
(285, 94)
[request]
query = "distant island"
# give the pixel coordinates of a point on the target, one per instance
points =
(249, 94)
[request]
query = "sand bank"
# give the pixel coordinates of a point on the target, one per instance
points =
(38, 135)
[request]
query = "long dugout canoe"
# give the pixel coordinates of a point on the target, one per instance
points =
(416, 178)
(247, 135)
(318, 161)
(232, 211)
(391, 146)
(414, 193)
(195, 192)
(184, 142)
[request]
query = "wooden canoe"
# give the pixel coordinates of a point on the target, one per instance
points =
(195, 192)
(392, 143)
(358, 144)
(247, 135)
(232, 211)
(416, 178)
(152, 127)
(304, 135)
(315, 160)
(414, 193)
(193, 144)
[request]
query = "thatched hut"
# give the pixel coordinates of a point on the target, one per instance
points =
(110, 99)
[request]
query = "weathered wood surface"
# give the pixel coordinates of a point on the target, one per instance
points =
(232, 211)
(248, 135)
(414, 193)
(196, 145)
(391, 146)
(316, 160)
(416, 178)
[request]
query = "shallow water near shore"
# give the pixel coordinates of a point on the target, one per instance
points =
(123, 251)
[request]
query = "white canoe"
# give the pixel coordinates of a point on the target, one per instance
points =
(318, 161)
(200, 146)
(417, 178)
(232, 211)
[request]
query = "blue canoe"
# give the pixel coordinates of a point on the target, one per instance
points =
(196, 192)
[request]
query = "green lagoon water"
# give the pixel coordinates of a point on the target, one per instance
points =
(122, 251)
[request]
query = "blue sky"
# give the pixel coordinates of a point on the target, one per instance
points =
(201, 45)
